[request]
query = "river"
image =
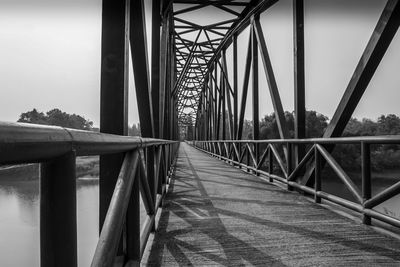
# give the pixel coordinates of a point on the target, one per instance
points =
(19, 222)
(19, 219)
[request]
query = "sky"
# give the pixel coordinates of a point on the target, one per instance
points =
(50, 57)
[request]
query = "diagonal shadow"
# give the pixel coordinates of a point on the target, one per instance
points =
(199, 221)
(219, 234)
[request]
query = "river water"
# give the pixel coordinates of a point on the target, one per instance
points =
(19, 222)
(19, 219)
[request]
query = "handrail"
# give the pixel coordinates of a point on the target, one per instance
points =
(381, 139)
(24, 142)
(147, 169)
(317, 154)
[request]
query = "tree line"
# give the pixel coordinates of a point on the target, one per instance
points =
(60, 118)
(348, 156)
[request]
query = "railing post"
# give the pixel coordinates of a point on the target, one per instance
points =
(270, 165)
(317, 185)
(159, 172)
(257, 156)
(58, 229)
(366, 176)
(151, 176)
(239, 147)
(289, 163)
(247, 158)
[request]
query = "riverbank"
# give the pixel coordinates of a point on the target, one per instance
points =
(86, 167)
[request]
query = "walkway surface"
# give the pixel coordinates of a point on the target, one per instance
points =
(215, 214)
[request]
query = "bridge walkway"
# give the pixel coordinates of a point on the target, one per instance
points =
(215, 214)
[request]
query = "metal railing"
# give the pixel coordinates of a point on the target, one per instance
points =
(56, 149)
(247, 154)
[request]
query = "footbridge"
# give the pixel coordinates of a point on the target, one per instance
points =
(192, 190)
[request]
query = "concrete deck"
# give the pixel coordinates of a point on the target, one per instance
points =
(218, 215)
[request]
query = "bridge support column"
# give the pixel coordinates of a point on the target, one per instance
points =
(114, 94)
(58, 226)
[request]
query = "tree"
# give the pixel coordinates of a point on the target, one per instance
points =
(56, 117)
(389, 124)
(316, 124)
(247, 133)
(134, 130)
(33, 116)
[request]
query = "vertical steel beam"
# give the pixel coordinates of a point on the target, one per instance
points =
(299, 77)
(235, 87)
(138, 42)
(216, 110)
(228, 90)
(223, 95)
(163, 74)
(114, 91)
(58, 226)
(256, 110)
(171, 75)
(256, 119)
(212, 105)
(155, 64)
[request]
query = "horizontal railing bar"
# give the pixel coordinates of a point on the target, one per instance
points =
(341, 201)
(273, 176)
(382, 217)
(382, 139)
(304, 188)
(28, 143)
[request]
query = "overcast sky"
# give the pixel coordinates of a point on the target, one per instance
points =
(50, 56)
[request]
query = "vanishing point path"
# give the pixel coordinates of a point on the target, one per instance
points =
(215, 214)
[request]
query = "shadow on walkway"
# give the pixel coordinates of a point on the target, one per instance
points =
(218, 215)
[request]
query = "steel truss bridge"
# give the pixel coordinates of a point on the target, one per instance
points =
(188, 84)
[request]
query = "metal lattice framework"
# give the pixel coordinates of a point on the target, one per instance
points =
(196, 45)
(186, 84)
(210, 98)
